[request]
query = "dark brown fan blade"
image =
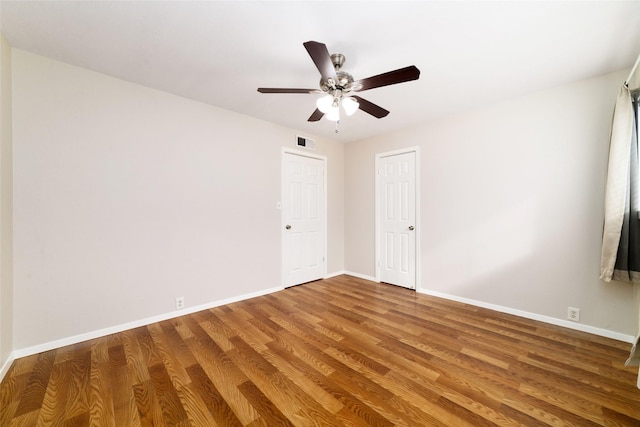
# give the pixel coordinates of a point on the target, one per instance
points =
(317, 115)
(320, 55)
(390, 78)
(371, 108)
(284, 90)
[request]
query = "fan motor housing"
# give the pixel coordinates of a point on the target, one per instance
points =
(344, 80)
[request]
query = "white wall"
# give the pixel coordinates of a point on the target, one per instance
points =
(126, 198)
(6, 209)
(512, 204)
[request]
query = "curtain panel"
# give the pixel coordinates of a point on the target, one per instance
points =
(620, 258)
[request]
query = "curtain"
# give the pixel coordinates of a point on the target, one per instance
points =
(627, 265)
(620, 258)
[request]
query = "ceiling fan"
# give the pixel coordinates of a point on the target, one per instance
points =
(338, 86)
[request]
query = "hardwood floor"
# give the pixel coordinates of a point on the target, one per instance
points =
(341, 351)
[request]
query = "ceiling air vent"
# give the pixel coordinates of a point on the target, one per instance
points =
(307, 143)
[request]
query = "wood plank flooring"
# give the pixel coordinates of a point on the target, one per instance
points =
(341, 351)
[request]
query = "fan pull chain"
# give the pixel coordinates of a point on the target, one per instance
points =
(337, 123)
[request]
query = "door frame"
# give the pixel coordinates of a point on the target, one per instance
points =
(323, 234)
(379, 156)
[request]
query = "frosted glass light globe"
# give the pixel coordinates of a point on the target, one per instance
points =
(350, 105)
(333, 114)
(324, 103)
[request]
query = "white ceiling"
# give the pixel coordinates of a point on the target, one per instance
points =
(219, 52)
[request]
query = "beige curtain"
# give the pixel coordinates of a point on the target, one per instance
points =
(618, 177)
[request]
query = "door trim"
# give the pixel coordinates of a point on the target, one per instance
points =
(378, 158)
(301, 153)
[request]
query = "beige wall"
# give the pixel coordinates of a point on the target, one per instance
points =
(6, 208)
(511, 204)
(126, 198)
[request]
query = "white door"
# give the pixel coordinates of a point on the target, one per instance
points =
(303, 215)
(396, 218)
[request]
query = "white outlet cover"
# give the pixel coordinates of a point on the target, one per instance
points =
(573, 314)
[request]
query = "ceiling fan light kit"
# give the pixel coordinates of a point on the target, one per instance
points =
(337, 85)
(330, 105)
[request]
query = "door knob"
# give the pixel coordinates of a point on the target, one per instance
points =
(411, 227)
(288, 227)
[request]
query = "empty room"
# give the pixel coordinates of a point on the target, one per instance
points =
(336, 213)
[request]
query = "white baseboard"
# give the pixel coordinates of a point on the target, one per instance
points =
(334, 274)
(28, 351)
(533, 316)
(6, 365)
(360, 276)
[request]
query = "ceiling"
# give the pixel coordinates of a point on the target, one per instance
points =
(470, 53)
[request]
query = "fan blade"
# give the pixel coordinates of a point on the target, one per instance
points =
(317, 115)
(320, 55)
(390, 78)
(371, 108)
(284, 90)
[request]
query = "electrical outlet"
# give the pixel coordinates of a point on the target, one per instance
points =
(573, 314)
(179, 303)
